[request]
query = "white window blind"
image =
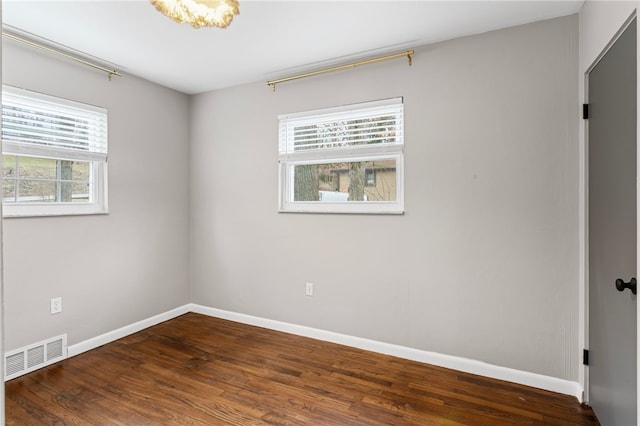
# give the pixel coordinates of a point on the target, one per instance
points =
(343, 128)
(34, 124)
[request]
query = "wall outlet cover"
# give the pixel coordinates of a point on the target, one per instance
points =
(56, 305)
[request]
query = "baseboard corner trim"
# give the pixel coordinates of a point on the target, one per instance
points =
(121, 332)
(466, 365)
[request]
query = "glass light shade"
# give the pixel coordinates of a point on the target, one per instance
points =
(199, 13)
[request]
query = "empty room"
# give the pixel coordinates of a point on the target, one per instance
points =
(319, 212)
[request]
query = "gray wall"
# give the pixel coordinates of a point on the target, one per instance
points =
(111, 270)
(484, 264)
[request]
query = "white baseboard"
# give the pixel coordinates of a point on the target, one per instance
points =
(111, 336)
(467, 365)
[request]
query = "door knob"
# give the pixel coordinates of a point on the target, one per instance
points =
(631, 285)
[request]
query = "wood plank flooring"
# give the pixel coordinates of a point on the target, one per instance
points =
(197, 370)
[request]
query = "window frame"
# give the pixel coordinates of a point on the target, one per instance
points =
(96, 157)
(354, 153)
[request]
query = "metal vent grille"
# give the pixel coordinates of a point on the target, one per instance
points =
(14, 364)
(35, 356)
(54, 349)
(32, 357)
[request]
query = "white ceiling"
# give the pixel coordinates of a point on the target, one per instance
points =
(269, 39)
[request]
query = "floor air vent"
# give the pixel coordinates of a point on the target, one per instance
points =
(30, 358)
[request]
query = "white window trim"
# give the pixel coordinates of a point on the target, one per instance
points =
(98, 160)
(289, 159)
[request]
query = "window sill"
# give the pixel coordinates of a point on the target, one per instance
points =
(343, 209)
(13, 211)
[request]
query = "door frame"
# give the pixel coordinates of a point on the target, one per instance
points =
(583, 332)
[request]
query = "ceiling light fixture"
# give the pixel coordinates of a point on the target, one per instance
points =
(199, 13)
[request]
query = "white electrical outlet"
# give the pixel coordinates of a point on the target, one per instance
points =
(56, 305)
(309, 289)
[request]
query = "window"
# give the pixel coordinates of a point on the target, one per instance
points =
(54, 155)
(370, 177)
(343, 160)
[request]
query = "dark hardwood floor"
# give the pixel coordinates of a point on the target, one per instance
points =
(197, 370)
